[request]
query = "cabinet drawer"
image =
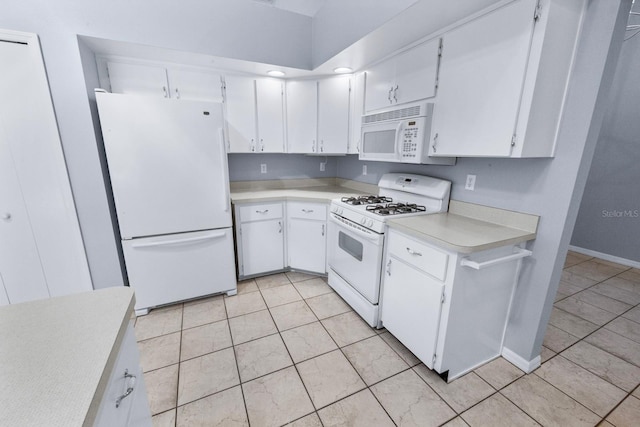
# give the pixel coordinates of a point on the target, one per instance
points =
(307, 210)
(418, 254)
(260, 212)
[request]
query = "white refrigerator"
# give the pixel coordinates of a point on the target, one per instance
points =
(168, 169)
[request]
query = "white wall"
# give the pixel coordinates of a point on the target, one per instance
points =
(238, 29)
(609, 216)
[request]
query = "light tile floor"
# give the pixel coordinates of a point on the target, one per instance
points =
(287, 349)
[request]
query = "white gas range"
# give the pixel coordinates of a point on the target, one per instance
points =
(356, 234)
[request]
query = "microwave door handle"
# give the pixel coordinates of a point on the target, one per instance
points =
(398, 150)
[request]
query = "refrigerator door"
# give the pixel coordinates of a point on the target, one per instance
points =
(166, 269)
(167, 163)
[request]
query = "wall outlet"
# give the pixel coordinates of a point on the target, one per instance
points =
(470, 184)
(364, 169)
(322, 166)
(263, 168)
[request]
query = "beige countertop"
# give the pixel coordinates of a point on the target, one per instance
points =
(56, 356)
(322, 194)
(468, 228)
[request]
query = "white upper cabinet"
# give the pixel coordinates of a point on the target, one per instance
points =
(138, 79)
(160, 81)
(357, 110)
(195, 85)
(333, 115)
(255, 115)
(270, 113)
(503, 80)
(318, 115)
(406, 77)
(302, 115)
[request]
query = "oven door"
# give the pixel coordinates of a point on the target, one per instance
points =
(355, 253)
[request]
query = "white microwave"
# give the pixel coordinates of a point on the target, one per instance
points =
(399, 135)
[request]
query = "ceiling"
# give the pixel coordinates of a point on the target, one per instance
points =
(302, 7)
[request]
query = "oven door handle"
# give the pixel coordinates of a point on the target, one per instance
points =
(356, 229)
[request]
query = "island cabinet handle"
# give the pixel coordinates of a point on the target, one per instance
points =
(412, 252)
(132, 384)
(517, 254)
(263, 211)
(307, 210)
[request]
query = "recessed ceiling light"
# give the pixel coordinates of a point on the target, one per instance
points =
(275, 73)
(342, 70)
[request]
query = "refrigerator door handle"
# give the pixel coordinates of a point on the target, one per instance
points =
(225, 170)
(173, 242)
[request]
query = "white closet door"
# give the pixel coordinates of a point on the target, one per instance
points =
(30, 132)
(20, 266)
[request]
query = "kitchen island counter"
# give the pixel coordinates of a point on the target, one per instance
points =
(56, 356)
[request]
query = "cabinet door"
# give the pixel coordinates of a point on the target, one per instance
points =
(482, 73)
(270, 103)
(380, 81)
(307, 245)
(333, 114)
(302, 116)
(138, 79)
(411, 308)
(262, 247)
(357, 110)
(240, 100)
(416, 73)
(195, 85)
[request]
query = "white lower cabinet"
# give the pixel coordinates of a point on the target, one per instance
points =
(307, 236)
(125, 402)
(449, 309)
(264, 247)
(260, 238)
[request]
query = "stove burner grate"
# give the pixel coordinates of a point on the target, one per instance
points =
(395, 208)
(366, 200)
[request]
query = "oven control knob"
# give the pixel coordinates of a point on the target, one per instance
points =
(334, 208)
(340, 210)
(370, 223)
(363, 221)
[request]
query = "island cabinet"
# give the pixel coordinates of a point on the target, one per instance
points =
(125, 402)
(160, 81)
(318, 115)
(502, 80)
(307, 236)
(259, 238)
(407, 77)
(449, 308)
(254, 110)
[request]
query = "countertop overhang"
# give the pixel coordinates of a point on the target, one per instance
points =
(56, 355)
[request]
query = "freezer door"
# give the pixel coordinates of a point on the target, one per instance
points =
(167, 163)
(166, 269)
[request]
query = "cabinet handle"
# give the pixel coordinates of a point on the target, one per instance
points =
(261, 144)
(262, 212)
(6, 216)
(323, 229)
(313, 145)
(322, 145)
(395, 93)
(132, 383)
(389, 268)
(389, 95)
(307, 210)
(177, 94)
(412, 252)
(252, 145)
(435, 142)
(279, 226)
(164, 91)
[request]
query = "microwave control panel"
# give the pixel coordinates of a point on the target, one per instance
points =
(409, 135)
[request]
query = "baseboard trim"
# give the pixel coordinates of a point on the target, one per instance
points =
(526, 365)
(605, 257)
